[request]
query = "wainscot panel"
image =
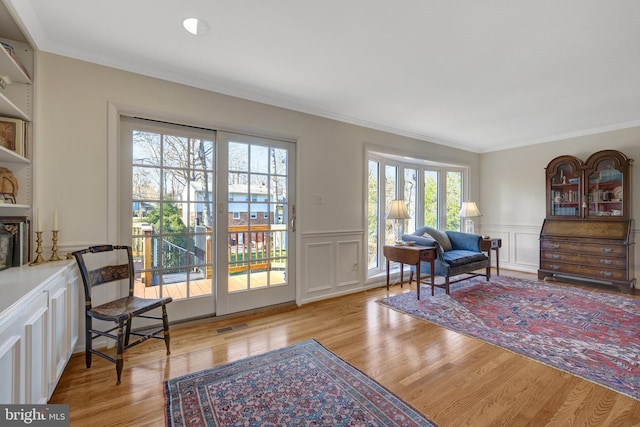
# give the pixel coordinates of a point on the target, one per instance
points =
(331, 264)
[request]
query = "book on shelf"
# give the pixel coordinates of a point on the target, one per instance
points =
(14, 135)
(18, 227)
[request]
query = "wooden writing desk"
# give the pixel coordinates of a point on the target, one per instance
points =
(411, 255)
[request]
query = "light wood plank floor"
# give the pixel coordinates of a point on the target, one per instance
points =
(454, 379)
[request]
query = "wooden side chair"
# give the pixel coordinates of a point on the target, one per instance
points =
(120, 311)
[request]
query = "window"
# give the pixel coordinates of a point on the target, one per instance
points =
(432, 192)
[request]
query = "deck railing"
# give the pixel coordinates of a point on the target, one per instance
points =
(260, 248)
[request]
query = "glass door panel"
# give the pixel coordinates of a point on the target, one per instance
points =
(257, 216)
(565, 191)
(605, 190)
(170, 176)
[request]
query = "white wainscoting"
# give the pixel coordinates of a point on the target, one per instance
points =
(332, 264)
(520, 246)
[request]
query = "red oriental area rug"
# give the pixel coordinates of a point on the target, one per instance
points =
(589, 334)
(301, 385)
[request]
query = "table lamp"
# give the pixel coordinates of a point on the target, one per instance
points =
(469, 210)
(398, 213)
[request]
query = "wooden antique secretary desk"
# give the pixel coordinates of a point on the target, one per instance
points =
(587, 232)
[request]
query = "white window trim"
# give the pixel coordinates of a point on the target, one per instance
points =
(385, 157)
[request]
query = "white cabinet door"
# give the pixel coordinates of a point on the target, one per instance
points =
(23, 352)
(35, 339)
(10, 368)
(76, 301)
(59, 338)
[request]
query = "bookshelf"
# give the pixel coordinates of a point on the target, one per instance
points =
(16, 102)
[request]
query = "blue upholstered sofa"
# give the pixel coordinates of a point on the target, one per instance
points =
(458, 253)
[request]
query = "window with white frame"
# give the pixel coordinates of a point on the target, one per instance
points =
(432, 192)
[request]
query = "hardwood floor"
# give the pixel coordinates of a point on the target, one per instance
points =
(454, 379)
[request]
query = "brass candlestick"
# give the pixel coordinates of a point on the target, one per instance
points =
(54, 248)
(39, 259)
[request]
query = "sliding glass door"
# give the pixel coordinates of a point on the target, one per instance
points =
(210, 216)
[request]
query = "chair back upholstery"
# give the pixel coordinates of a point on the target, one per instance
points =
(111, 272)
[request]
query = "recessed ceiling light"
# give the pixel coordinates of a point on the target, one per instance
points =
(196, 26)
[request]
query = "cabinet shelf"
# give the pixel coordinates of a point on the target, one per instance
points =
(13, 206)
(9, 156)
(9, 109)
(10, 66)
(15, 98)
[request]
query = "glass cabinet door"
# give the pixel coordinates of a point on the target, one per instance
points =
(605, 190)
(564, 188)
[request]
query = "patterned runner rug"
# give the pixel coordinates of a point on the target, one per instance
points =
(301, 385)
(589, 334)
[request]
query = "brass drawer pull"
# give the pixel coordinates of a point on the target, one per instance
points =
(606, 250)
(555, 267)
(555, 256)
(606, 261)
(555, 245)
(606, 273)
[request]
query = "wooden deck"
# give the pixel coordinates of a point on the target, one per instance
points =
(196, 288)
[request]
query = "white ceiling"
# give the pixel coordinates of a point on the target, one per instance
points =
(478, 75)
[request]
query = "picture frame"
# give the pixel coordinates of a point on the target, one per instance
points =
(20, 229)
(6, 250)
(12, 134)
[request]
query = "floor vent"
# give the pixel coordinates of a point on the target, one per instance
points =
(232, 328)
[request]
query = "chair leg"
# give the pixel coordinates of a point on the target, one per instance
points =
(88, 338)
(411, 277)
(488, 273)
(128, 332)
(165, 324)
(446, 285)
(120, 352)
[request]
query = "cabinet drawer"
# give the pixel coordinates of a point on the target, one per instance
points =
(594, 272)
(584, 248)
(592, 260)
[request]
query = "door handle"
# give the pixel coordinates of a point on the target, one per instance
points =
(293, 218)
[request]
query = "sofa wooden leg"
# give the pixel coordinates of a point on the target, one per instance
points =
(488, 273)
(446, 285)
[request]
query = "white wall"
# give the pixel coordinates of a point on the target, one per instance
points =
(70, 156)
(512, 186)
(70, 162)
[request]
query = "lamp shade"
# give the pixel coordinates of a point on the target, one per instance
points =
(398, 210)
(469, 209)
